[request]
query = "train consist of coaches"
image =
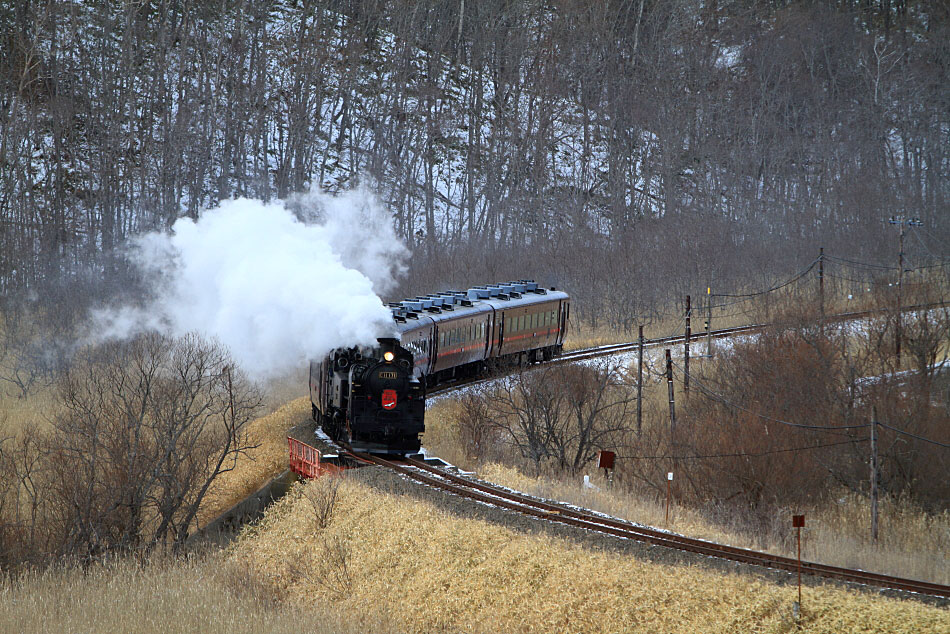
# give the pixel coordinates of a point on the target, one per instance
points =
(373, 399)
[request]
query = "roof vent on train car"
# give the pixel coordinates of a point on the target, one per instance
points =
(412, 305)
(478, 293)
(519, 287)
(448, 301)
(530, 285)
(501, 292)
(399, 312)
(461, 298)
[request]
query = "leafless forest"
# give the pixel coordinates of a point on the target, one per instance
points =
(628, 151)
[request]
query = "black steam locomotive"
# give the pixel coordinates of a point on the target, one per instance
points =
(373, 399)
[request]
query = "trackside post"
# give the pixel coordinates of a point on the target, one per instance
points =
(798, 522)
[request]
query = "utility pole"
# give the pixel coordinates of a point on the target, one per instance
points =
(686, 350)
(821, 289)
(640, 384)
(709, 350)
(874, 474)
(902, 222)
(669, 382)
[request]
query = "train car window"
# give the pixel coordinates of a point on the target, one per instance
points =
(533, 317)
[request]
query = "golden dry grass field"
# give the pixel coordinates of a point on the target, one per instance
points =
(912, 543)
(202, 594)
(429, 570)
(268, 459)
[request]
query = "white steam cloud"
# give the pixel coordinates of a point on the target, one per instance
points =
(276, 287)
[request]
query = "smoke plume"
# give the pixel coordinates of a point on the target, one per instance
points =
(276, 283)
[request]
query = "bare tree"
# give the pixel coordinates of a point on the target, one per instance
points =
(146, 428)
(564, 414)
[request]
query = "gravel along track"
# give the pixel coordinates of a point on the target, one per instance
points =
(583, 525)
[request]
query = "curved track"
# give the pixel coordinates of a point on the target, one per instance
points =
(498, 496)
(504, 498)
(501, 497)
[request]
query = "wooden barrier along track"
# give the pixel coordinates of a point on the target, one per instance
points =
(497, 496)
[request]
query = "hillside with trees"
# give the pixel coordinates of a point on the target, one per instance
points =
(663, 145)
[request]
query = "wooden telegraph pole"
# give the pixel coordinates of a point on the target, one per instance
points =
(821, 289)
(902, 222)
(669, 383)
(874, 474)
(686, 349)
(640, 384)
(709, 350)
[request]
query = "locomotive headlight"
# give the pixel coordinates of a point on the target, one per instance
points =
(388, 356)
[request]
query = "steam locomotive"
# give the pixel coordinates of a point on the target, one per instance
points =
(373, 398)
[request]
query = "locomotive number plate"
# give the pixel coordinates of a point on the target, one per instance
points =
(388, 375)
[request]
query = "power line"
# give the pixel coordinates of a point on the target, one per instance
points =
(748, 455)
(916, 233)
(852, 279)
(857, 263)
(907, 433)
(773, 288)
(722, 399)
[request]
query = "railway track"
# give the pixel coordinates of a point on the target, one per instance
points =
(500, 497)
(696, 337)
(565, 514)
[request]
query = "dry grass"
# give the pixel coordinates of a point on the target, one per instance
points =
(429, 570)
(912, 542)
(198, 595)
(262, 463)
(602, 499)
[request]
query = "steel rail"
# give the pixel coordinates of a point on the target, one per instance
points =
(681, 542)
(503, 498)
(506, 499)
